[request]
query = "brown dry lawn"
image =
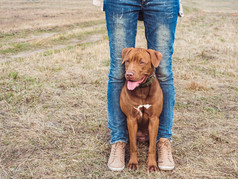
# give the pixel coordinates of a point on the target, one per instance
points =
(54, 61)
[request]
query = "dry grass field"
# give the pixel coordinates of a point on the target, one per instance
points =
(54, 62)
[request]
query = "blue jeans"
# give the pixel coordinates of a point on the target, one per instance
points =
(160, 19)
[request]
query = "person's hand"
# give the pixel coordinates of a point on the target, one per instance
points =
(98, 3)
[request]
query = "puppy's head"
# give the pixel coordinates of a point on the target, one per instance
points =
(139, 65)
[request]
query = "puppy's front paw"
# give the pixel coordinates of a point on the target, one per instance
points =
(152, 166)
(132, 165)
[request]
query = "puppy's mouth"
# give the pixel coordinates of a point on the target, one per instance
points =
(131, 85)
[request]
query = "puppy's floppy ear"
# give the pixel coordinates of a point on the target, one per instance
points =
(155, 57)
(125, 53)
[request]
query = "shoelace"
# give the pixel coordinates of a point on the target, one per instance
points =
(165, 149)
(116, 150)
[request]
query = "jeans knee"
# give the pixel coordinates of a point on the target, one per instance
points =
(116, 75)
(165, 75)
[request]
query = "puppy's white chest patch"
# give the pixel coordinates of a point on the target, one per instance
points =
(147, 106)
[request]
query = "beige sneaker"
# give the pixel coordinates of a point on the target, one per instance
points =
(116, 160)
(165, 159)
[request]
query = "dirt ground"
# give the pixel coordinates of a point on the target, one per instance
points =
(54, 62)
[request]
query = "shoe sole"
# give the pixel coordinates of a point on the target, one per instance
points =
(165, 168)
(116, 169)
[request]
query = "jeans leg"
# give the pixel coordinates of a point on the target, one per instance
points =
(121, 19)
(160, 19)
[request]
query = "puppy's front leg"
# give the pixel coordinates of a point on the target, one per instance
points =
(132, 129)
(153, 130)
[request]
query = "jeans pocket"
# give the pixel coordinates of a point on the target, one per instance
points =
(171, 12)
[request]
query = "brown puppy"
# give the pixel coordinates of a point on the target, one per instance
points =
(141, 100)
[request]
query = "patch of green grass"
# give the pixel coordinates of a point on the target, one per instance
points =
(68, 27)
(106, 63)
(211, 109)
(82, 35)
(179, 105)
(20, 88)
(105, 37)
(222, 40)
(211, 71)
(235, 88)
(8, 97)
(16, 47)
(90, 23)
(13, 75)
(5, 37)
(48, 52)
(61, 38)
(70, 47)
(85, 45)
(94, 31)
(188, 10)
(87, 66)
(56, 69)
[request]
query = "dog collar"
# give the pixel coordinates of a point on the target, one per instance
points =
(149, 81)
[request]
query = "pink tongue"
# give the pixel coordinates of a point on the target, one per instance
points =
(131, 85)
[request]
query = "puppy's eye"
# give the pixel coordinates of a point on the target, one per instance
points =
(142, 62)
(127, 61)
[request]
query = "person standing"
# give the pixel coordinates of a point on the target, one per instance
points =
(160, 19)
